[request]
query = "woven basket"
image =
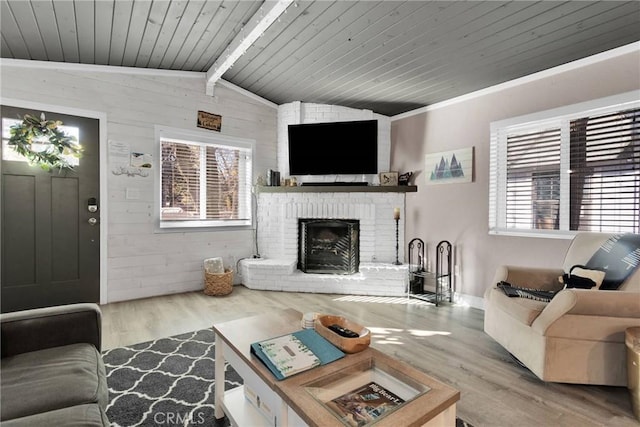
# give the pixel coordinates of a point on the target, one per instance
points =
(218, 284)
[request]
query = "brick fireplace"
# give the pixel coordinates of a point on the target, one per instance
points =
(328, 246)
(279, 211)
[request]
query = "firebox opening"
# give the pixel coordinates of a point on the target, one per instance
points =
(328, 245)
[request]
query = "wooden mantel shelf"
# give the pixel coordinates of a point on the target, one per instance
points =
(339, 189)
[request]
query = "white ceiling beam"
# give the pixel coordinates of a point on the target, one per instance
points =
(255, 27)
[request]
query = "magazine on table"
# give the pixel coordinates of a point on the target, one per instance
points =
(364, 404)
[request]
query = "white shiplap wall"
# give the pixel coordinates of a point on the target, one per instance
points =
(140, 262)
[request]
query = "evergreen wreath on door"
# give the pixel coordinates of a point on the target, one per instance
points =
(43, 143)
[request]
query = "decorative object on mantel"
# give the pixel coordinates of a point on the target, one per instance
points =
(405, 178)
(209, 121)
(273, 178)
(42, 143)
(449, 167)
(396, 217)
(388, 178)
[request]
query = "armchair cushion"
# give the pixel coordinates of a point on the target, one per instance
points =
(528, 277)
(50, 379)
(523, 310)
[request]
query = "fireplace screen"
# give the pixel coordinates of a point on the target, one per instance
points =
(329, 245)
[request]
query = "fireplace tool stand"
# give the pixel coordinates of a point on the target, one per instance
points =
(416, 267)
(434, 287)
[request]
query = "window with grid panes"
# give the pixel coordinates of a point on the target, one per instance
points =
(579, 171)
(204, 181)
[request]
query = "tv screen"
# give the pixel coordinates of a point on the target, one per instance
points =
(334, 148)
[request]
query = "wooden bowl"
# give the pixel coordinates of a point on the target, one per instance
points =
(348, 345)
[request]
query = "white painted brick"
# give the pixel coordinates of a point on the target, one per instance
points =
(373, 279)
(278, 232)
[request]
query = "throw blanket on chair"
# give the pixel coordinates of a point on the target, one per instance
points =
(618, 257)
(535, 294)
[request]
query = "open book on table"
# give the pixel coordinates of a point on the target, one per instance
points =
(299, 351)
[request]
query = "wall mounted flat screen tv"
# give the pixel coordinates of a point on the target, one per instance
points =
(334, 148)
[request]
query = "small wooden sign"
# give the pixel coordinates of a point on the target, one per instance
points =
(209, 121)
(388, 178)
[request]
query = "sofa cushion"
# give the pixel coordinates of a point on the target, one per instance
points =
(79, 416)
(50, 379)
(523, 310)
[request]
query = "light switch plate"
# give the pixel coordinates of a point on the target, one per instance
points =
(132, 193)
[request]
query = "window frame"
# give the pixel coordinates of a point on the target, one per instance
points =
(205, 139)
(557, 117)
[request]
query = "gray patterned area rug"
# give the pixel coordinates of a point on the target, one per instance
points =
(168, 382)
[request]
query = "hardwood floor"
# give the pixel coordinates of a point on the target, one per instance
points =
(447, 342)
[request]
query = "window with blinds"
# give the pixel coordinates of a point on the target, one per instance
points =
(605, 172)
(577, 172)
(533, 180)
(204, 184)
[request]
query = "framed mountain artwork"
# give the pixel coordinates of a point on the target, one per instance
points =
(449, 167)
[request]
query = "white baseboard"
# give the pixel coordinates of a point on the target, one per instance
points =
(470, 300)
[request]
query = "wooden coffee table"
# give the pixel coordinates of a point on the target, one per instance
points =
(299, 400)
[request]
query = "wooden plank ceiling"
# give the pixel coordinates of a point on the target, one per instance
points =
(386, 56)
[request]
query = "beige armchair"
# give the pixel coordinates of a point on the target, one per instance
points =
(577, 337)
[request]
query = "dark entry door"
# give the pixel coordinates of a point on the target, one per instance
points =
(50, 248)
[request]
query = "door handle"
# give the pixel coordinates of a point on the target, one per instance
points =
(92, 221)
(92, 205)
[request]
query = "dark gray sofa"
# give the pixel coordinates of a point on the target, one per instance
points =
(51, 371)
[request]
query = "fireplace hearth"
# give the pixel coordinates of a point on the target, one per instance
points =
(329, 246)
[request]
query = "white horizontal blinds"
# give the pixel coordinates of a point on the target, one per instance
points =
(605, 172)
(180, 178)
(224, 183)
(533, 179)
(205, 182)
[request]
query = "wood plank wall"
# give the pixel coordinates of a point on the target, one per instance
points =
(141, 262)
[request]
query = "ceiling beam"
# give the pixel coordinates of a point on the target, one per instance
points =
(255, 27)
